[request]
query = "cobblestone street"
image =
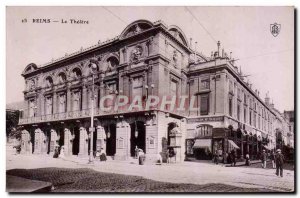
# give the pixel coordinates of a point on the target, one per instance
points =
(187, 172)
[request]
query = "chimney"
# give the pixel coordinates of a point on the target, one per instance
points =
(223, 53)
(218, 48)
(272, 105)
(191, 42)
(267, 99)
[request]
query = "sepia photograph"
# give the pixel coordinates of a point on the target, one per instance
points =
(185, 99)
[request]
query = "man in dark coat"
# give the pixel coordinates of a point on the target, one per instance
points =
(264, 159)
(279, 159)
(233, 157)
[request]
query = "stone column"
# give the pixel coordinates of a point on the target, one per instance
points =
(39, 102)
(68, 142)
(242, 147)
(25, 142)
(83, 143)
(101, 139)
(123, 141)
(53, 141)
(44, 144)
(55, 105)
(69, 100)
(42, 102)
(84, 98)
(151, 142)
(37, 141)
(247, 143)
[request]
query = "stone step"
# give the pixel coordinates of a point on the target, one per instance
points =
(16, 184)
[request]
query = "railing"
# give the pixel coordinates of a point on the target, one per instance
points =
(97, 112)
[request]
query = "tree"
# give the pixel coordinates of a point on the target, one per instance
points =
(12, 129)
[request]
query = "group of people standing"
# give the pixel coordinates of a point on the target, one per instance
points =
(277, 161)
(228, 158)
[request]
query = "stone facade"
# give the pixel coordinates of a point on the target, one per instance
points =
(145, 59)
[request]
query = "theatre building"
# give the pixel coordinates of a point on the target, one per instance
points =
(145, 59)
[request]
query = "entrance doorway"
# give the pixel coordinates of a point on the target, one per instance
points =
(61, 134)
(138, 137)
(75, 147)
(110, 139)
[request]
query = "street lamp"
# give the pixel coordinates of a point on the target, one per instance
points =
(93, 71)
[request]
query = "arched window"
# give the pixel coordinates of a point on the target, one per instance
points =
(112, 63)
(62, 78)
(49, 82)
(76, 73)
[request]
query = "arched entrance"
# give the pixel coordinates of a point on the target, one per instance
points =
(110, 139)
(61, 135)
(170, 127)
(75, 147)
(138, 137)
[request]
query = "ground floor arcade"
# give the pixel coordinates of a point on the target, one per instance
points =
(117, 135)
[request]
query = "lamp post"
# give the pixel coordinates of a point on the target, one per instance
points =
(93, 70)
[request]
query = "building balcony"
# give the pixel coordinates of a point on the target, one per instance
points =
(86, 113)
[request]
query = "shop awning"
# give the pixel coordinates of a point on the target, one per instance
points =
(202, 143)
(232, 144)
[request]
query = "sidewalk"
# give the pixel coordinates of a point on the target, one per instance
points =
(244, 163)
(186, 172)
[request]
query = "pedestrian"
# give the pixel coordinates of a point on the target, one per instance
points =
(141, 158)
(247, 160)
(215, 158)
(168, 156)
(279, 158)
(102, 155)
(136, 150)
(56, 152)
(273, 159)
(233, 157)
(159, 159)
(225, 157)
(264, 159)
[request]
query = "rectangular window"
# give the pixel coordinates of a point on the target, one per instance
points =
(21, 114)
(238, 111)
(230, 106)
(173, 88)
(245, 115)
(49, 105)
(250, 117)
(32, 108)
(204, 106)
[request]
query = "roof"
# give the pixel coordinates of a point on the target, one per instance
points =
(16, 105)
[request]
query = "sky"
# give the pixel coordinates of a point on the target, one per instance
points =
(244, 31)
